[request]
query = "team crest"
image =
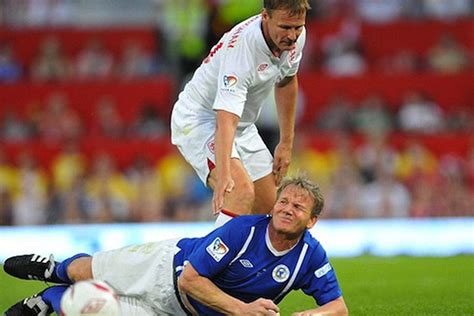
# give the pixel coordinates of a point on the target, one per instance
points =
(217, 249)
(281, 273)
(230, 81)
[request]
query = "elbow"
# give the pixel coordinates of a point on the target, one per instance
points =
(342, 309)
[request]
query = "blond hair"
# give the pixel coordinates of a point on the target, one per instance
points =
(312, 188)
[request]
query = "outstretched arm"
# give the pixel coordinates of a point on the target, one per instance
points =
(206, 292)
(285, 97)
(336, 307)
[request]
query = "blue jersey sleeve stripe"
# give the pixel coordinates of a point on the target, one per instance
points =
(295, 273)
(245, 246)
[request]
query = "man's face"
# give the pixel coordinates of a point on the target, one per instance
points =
(292, 211)
(283, 29)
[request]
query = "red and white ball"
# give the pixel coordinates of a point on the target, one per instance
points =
(91, 297)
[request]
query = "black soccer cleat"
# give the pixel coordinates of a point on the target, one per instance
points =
(31, 306)
(32, 267)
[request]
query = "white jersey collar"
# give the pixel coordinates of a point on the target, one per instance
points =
(272, 249)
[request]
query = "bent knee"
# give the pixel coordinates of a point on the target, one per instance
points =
(245, 191)
(80, 269)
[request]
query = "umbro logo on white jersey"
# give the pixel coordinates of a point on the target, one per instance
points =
(246, 263)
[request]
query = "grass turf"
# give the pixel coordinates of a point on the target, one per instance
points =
(371, 286)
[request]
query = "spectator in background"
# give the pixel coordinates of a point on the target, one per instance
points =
(447, 9)
(448, 56)
(375, 156)
(372, 116)
(10, 68)
(415, 162)
(342, 51)
(419, 114)
(68, 164)
(384, 197)
(50, 64)
(149, 124)
(59, 122)
(402, 62)
(175, 172)
(267, 122)
(13, 128)
(30, 204)
(6, 208)
(380, 11)
(94, 61)
(108, 190)
(469, 167)
(183, 25)
(109, 123)
(8, 176)
(148, 201)
(336, 115)
(135, 62)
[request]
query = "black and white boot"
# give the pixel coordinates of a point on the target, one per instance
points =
(31, 306)
(32, 267)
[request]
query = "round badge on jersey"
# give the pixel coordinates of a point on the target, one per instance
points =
(281, 273)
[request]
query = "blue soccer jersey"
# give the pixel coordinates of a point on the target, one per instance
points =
(239, 258)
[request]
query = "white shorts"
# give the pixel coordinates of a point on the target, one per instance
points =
(197, 147)
(142, 276)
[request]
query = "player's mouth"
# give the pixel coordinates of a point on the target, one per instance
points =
(287, 220)
(290, 44)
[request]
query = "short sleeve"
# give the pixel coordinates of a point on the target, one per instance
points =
(234, 79)
(321, 282)
(218, 249)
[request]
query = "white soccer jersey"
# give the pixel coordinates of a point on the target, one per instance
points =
(237, 76)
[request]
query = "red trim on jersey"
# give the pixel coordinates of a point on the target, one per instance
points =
(210, 164)
(229, 213)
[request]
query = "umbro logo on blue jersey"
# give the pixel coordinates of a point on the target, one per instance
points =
(246, 263)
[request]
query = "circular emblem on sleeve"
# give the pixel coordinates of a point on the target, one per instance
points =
(281, 273)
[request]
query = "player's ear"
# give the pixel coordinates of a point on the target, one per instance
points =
(265, 15)
(312, 221)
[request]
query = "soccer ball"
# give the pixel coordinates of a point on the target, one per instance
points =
(91, 297)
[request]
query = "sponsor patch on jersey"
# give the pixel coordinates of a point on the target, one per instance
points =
(323, 270)
(217, 249)
(230, 81)
(246, 263)
(262, 67)
(281, 273)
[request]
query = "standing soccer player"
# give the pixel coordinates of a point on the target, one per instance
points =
(213, 121)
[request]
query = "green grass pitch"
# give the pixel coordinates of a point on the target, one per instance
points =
(371, 286)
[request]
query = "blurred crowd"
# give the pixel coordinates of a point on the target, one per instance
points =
(362, 174)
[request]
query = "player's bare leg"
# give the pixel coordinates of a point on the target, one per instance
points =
(80, 269)
(241, 199)
(265, 194)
